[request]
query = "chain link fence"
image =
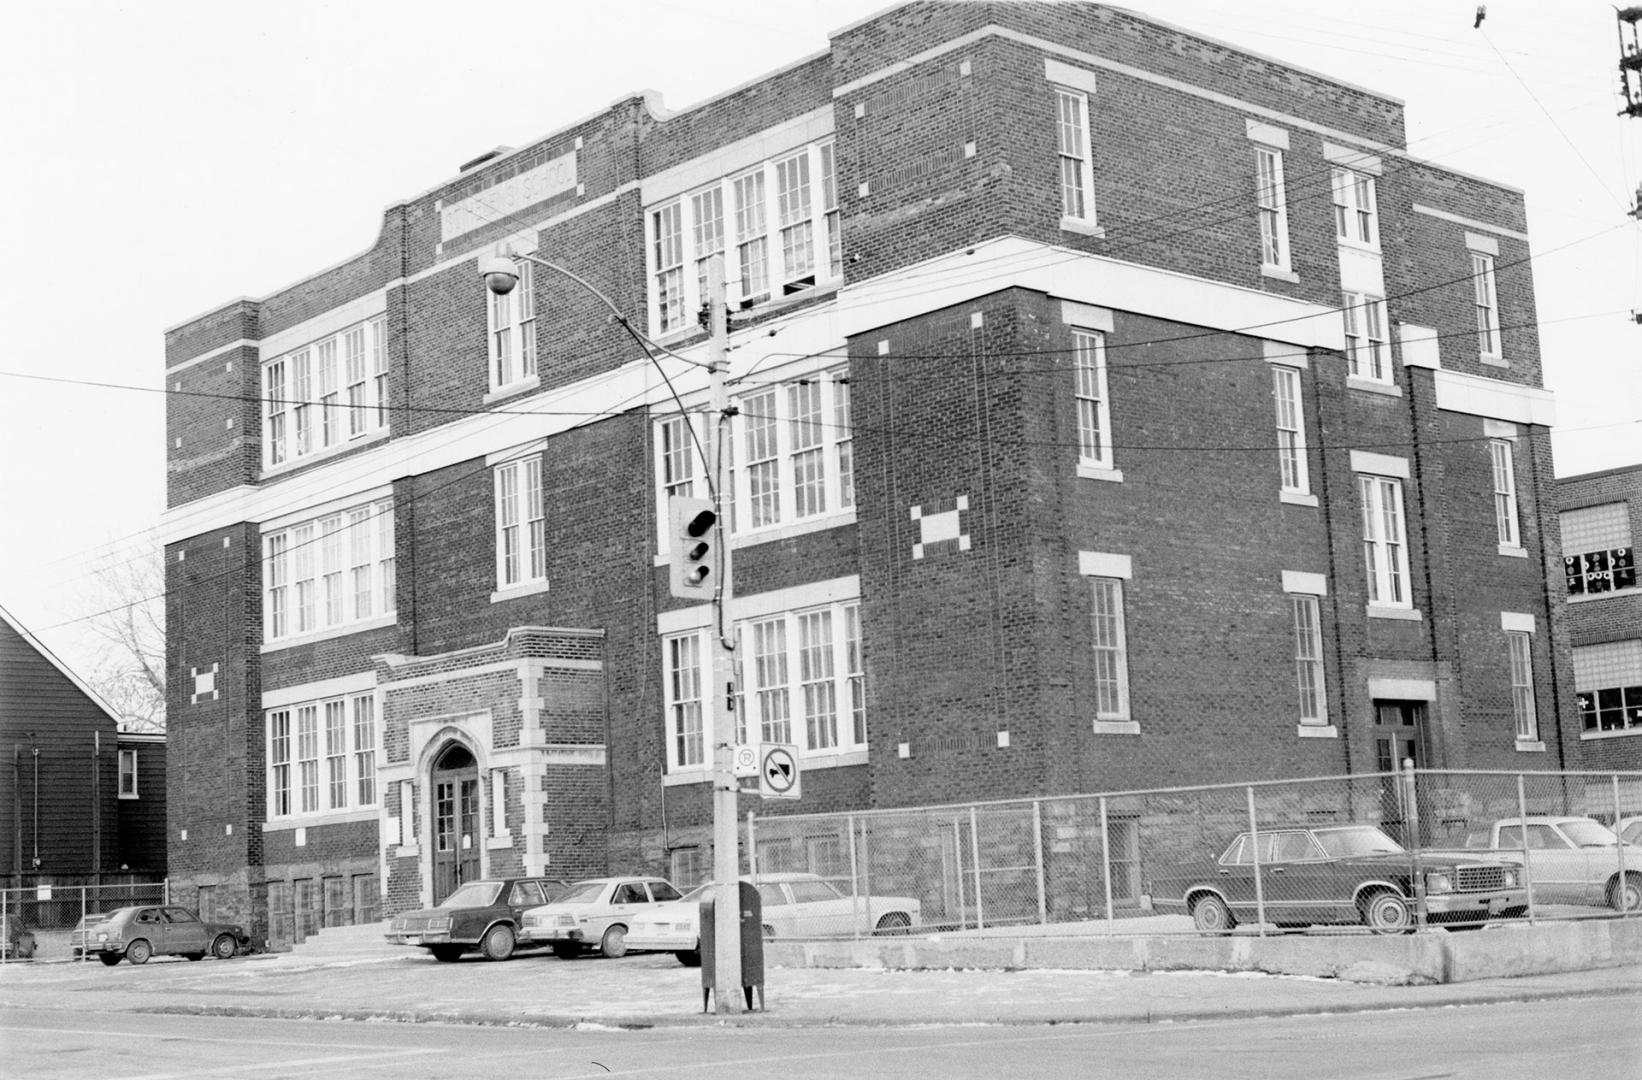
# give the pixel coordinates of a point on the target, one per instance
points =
(1385, 851)
(39, 918)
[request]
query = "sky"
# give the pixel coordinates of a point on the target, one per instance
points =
(164, 157)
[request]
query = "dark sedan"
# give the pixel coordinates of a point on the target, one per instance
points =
(1310, 875)
(480, 915)
(136, 933)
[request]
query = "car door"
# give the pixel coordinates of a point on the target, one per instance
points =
(627, 899)
(1558, 867)
(821, 909)
(1234, 875)
(184, 933)
(149, 923)
(523, 895)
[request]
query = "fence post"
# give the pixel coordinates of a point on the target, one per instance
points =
(1037, 850)
(5, 899)
(855, 890)
(1254, 846)
(1622, 884)
(975, 857)
(1411, 804)
(165, 891)
(1106, 862)
(752, 846)
(1522, 830)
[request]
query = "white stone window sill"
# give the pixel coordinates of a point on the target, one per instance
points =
(523, 386)
(1299, 498)
(1116, 727)
(311, 821)
(408, 851)
(1357, 245)
(1591, 598)
(1317, 731)
(1373, 386)
(1624, 733)
(1081, 227)
(1495, 361)
(290, 464)
(513, 592)
(1100, 472)
(1525, 746)
(1281, 273)
(1513, 551)
(375, 623)
(1383, 611)
(496, 842)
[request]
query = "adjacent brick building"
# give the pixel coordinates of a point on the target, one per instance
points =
(1113, 408)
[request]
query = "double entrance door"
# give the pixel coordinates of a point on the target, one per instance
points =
(456, 826)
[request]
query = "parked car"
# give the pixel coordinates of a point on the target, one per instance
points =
(1335, 874)
(1630, 830)
(16, 940)
(595, 913)
(1571, 859)
(135, 933)
(793, 905)
(482, 915)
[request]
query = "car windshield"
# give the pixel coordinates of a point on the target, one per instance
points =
(583, 892)
(1357, 840)
(473, 894)
(1587, 833)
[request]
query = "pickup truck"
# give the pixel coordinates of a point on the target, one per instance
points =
(1571, 860)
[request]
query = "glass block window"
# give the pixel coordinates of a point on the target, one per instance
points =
(1608, 683)
(1597, 556)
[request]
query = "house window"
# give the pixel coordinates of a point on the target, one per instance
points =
(318, 398)
(1598, 557)
(1308, 659)
(1368, 356)
(513, 331)
(1111, 650)
(334, 752)
(1520, 647)
(1505, 492)
(1274, 227)
(1385, 545)
(329, 574)
(521, 524)
(1487, 302)
(1077, 177)
(1354, 213)
(1608, 682)
(1291, 429)
(1094, 414)
(128, 774)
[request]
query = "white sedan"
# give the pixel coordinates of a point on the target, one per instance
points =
(793, 905)
(594, 914)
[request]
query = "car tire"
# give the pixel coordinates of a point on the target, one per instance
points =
(224, 947)
(109, 959)
(1387, 912)
(139, 951)
(497, 943)
(446, 954)
(896, 922)
(689, 957)
(1210, 915)
(614, 942)
(566, 950)
(1626, 897)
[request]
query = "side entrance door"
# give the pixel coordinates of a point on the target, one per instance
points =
(1399, 736)
(455, 821)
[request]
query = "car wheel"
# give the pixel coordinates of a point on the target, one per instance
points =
(566, 950)
(689, 957)
(614, 942)
(896, 922)
(139, 951)
(497, 943)
(1210, 915)
(109, 959)
(446, 954)
(1626, 897)
(224, 947)
(1387, 913)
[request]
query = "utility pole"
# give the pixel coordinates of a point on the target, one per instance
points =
(726, 958)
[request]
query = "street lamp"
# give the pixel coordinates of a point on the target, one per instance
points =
(501, 276)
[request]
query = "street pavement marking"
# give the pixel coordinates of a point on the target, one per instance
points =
(331, 1060)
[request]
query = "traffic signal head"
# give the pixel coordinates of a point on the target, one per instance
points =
(694, 533)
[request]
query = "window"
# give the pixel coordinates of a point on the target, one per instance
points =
(329, 735)
(1077, 177)
(1111, 650)
(1598, 557)
(1487, 301)
(854, 677)
(318, 398)
(1368, 356)
(1505, 492)
(1354, 214)
(797, 193)
(807, 450)
(843, 436)
(1385, 544)
(817, 679)
(1308, 660)
(521, 524)
(686, 867)
(772, 707)
(1520, 647)
(686, 737)
(1274, 226)
(1291, 429)
(1094, 414)
(679, 456)
(513, 331)
(128, 774)
(1608, 681)
(329, 574)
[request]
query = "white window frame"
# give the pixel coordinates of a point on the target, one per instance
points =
(298, 561)
(1490, 344)
(1111, 646)
(510, 333)
(521, 524)
(1356, 211)
(1385, 541)
(1074, 157)
(1286, 387)
(315, 770)
(128, 772)
(1507, 523)
(1308, 659)
(688, 709)
(754, 214)
(1093, 397)
(1271, 202)
(312, 403)
(1520, 654)
(1368, 346)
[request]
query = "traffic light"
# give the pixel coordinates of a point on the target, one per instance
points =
(694, 533)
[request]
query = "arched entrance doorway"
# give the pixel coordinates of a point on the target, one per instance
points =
(455, 820)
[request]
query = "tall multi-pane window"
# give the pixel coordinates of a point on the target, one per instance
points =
(829, 208)
(513, 331)
(277, 618)
(521, 524)
(668, 225)
(855, 673)
(1111, 649)
(279, 763)
(1355, 218)
(678, 457)
(1308, 659)
(302, 570)
(128, 774)
(707, 223)
(329, 574)
(761, 461)
(1271, 199)
(1094, 414)
(1385, 544)
(1077, 199)
(817, 679)
(1521, 648)
(276, 406)
(364, 748)
(1505, 492)
(361, 562)
(330, 414)
(1291, 429)
(770, 680)
(792, 185)
(336, 754)
(1487, 304)
(843, 440)
(302, 401)
(319, 397)
(686, 743)
(378, 335)
(307, 756)
(335, 598)
(752, 242)
(354, 374)
(332, 744)
(1368, 354)
(807, 450)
